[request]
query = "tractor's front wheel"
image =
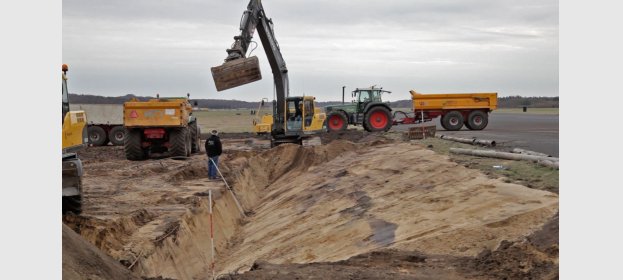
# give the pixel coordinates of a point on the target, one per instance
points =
(337, 121)
(378, 119)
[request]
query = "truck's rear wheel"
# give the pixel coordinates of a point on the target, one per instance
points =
(97, 136)
(477, 120)
(378, 119)
(132, 145)
(337, 121)
(195, 135)
(178, 137)
(453, 120)
(189, 145)
(116, 135)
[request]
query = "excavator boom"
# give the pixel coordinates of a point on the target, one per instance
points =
(239, 70)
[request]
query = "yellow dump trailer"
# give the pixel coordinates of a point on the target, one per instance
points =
(455, 109)
(161, 125)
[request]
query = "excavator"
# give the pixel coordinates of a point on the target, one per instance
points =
(295, 118)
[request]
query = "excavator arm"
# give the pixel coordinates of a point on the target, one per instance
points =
(239, 70)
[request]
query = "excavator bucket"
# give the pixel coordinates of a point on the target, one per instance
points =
(236, 73)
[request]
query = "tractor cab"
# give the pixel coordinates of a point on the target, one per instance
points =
(364, 96)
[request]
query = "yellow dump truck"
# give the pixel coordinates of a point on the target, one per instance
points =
(161, 125)
(455, 109)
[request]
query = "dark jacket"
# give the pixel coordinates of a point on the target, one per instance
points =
(213, 146)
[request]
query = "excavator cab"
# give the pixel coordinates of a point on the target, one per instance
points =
(303, 116)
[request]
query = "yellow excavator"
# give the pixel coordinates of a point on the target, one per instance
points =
(74, 139)
(295, 118)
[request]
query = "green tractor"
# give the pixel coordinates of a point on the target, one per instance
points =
(367, 109)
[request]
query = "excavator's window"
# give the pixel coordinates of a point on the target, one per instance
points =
(294, 115)
(309, 112)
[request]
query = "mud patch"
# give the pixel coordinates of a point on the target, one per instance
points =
(383, 232)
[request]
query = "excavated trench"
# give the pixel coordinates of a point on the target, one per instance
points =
(303, 204)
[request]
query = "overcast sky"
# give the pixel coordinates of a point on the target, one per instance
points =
(144, 47)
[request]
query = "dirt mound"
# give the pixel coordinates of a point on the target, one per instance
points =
(355, 136)
(332, 202)
(82, 260)
(101, 154)
(535, 257)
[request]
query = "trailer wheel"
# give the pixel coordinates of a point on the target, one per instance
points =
(477, 120)
(132, 145)
(97, 136)
(178, 137)
(442, 124)
(453, 120)
(378, 119)
(337, 121)
(116, 135)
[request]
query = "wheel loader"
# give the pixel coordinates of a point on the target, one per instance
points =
(75, 137)
(160, 126)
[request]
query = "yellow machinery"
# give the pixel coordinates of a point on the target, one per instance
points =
(262, 125)
(455, 109)
(290, 122)
(74, 138)
(161, 125)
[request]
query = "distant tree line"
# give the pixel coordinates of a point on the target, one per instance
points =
(503, 102)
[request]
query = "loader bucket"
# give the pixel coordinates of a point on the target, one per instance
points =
(236, 73)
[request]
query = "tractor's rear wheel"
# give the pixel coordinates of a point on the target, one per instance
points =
(337, 121)
(97, 136)
(178, 138)
(453, 120)
(132, 144)
(116, 135)
(378, 119)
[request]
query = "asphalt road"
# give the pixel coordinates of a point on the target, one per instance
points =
(535, 132)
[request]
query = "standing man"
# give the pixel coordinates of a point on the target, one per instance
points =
(213, 150)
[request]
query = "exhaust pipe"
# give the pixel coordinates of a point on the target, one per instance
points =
(236, 72)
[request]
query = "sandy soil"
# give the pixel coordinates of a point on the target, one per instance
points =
(82, 260)
(370, 204)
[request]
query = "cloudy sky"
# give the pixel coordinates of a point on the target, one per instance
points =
(144, 47)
